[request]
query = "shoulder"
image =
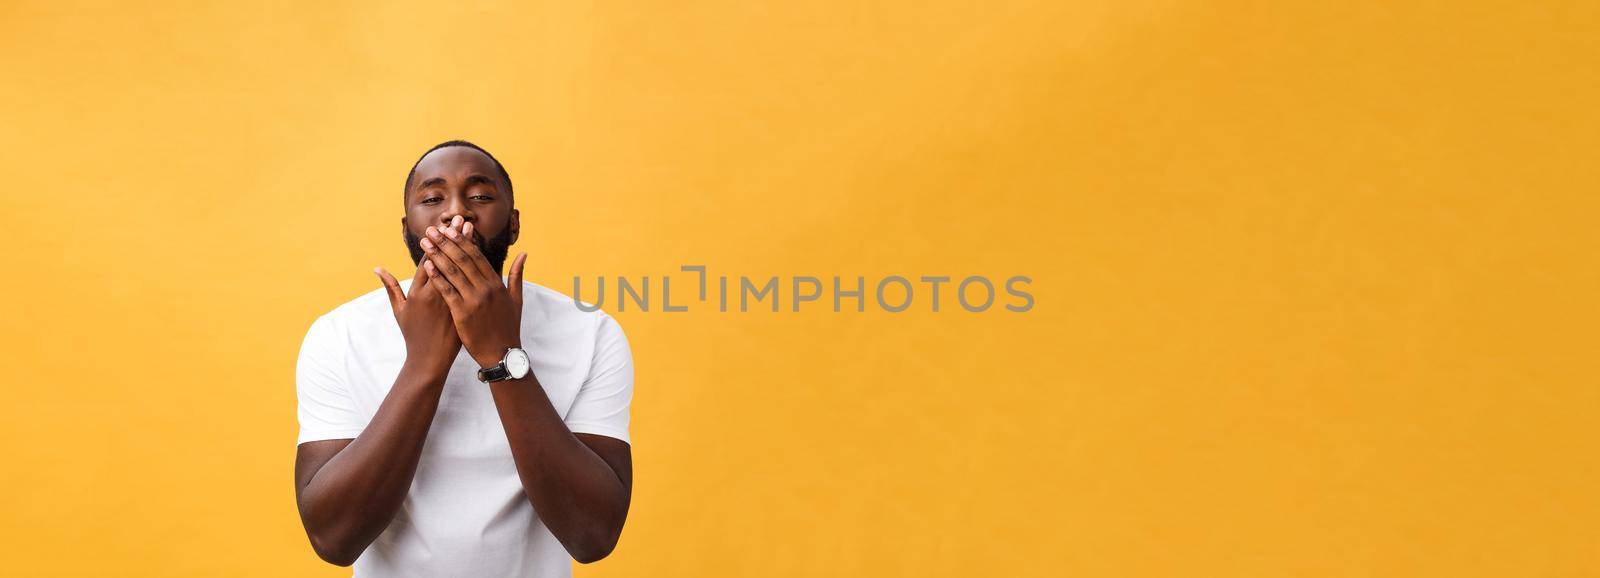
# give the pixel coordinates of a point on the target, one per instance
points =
(365, 309)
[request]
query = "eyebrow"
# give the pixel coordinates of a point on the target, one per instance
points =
(471, 180)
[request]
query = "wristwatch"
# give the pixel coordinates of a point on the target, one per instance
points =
(513, 366)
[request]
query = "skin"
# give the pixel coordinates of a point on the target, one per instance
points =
(349, 490)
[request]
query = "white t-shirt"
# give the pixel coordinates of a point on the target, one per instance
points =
(466, 513)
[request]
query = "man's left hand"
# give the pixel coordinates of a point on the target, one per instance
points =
(487, 312)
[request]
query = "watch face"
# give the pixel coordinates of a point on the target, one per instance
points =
(517, 363)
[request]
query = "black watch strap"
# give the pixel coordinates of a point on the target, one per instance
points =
(497, 372)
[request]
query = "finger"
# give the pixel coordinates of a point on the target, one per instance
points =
(442, 265)
(514, 281)
(447, 268)
(419, 281)
(443, 287)
(477, 254)
(456, 225)
(392, 287)
(449, 243)
(474, 262)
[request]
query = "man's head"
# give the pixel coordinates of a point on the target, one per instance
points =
(460, 178)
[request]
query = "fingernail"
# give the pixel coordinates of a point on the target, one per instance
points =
(451, 233)
(426, 244)
(432, 232)
(456, 222)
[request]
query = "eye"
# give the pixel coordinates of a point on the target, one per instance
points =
(483, 198)
(430, 200)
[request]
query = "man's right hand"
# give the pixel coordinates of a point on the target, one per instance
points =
(424, 317)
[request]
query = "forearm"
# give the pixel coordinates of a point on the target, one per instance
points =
(577, 495)
(353, 497)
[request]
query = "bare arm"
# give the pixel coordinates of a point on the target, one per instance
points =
(580, 484)
(349, 490)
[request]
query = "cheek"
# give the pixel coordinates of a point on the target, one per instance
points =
(417, 226)
(493, 221)
(420, 217)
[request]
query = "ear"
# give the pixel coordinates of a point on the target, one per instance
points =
(516, 225)
(405, 228)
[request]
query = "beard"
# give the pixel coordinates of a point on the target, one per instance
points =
(494, 250)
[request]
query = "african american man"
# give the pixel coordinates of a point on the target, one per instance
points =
(461, 423)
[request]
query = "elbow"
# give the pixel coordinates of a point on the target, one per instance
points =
(593, 550)
(332, 552)
(592, 554)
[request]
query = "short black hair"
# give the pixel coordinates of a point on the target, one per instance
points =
(458, 143)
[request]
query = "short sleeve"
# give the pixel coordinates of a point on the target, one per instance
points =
(326, 409)
(601, 406)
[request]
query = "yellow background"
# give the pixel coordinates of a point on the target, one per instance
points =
(1316, 282)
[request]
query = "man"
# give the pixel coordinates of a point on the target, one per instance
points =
(460, 423)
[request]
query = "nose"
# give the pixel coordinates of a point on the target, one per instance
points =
(456, 207)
